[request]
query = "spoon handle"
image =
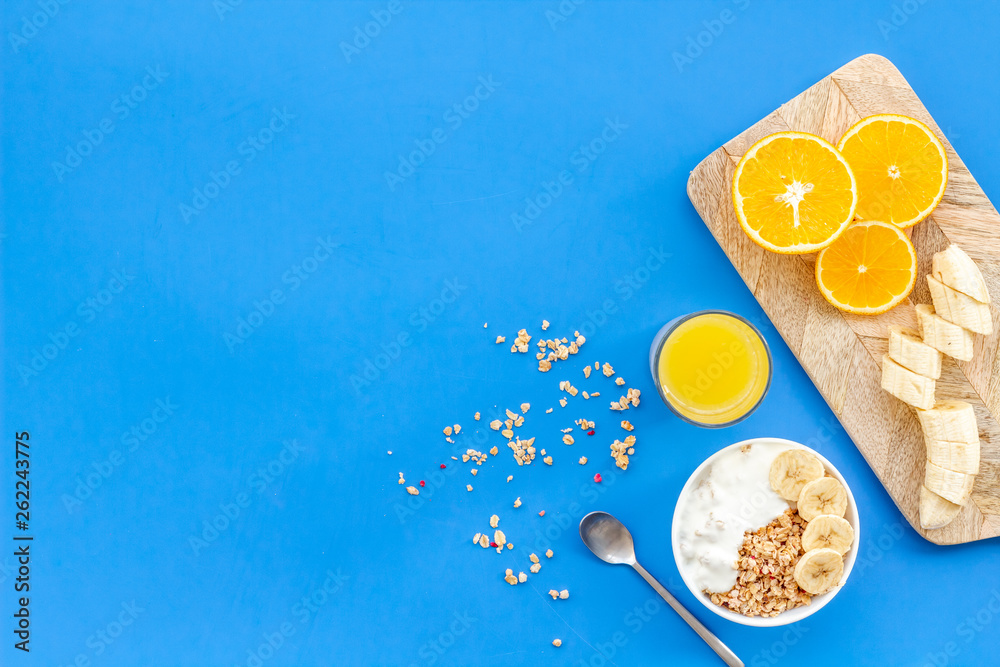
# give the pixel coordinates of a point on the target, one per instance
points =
(721, 649)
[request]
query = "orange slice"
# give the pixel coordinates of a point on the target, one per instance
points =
(794, 193)
(900, 167)
(869, 269)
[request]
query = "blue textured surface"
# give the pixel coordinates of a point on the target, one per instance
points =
(279, 140)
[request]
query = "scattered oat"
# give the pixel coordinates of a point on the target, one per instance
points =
(525, 407)
(586, 395)
(494, 521)
(548, 553)
(607, 370)
(454, 458)
(475, 539)
(458, 429)
(532, 557)
(572, 391)
(476, 416)
(595, 394)
(475, 471)
(562, 402)
(447, 430)
(620, 451)
(510, 578)
(468, 487)
(484, 324)
(412, 490)
(499, 537)
(509, 477)
(390, 452)
(496, 424)
(597, 365)
(586, 371)
(544, 366)
(450, 440)
(583, 460)
(494, 450)
(507, 433)
(522, 577)
(548, 411)
(557, 643)
(517, 503)
(554, 593)
(484, 541)
(519, 421)
(501, 339)
(620, 381)
(584, 424)
(535, 568)
(564, 594)
(627, 425)
(547, 460)
(545, 325)
(568, 439)
(510, 545)
(401, 480)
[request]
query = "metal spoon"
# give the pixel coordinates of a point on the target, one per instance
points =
(611, 542)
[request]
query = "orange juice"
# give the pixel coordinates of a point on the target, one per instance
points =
(712, 368)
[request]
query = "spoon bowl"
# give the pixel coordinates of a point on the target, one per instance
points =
(608, 538)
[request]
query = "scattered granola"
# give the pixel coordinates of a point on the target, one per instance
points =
(458, 429)
(524, 450)
(620, 382)
(494, 450)
(554, 593)
(522, 577)
(607, 370)
(568, 439)
(545, 325)
(447, 430)
(501, 339)
(765, 584)
(474, 471)
(564, 594)
(509, 477)
(525, 407)
(476, 416)
(548, 411)
(627, 425)
(532, 557)
(548, 553)
(496, 424)
(620, 451)
(583, 460)
(557, 643)
(468, 487)
(412, 490)
(494, 521)
(562, 401)
(499, 537)
(547, 460)
(517, 503)
(586, 371)
(510, 578)
(536, 568)
(484, 542)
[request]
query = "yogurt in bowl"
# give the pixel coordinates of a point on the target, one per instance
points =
(729, 497)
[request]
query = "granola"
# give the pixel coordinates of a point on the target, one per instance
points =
(765, 585)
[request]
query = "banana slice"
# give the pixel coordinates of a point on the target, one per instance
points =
(825, 495)
(908, 350)
(959, 308)
(828, 531)
(950, 485)
(957, 270)
(950, 421)
(942, 335)
(791, 470)
(819, 570)
(935, 511)
(954, 456)
(907, 386)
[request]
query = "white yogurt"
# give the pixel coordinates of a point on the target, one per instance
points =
(733, 496)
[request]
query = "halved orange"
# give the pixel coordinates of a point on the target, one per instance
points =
(794, 193)
(900, 166)
(869, 269)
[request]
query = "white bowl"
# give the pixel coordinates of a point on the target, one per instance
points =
(791, 615)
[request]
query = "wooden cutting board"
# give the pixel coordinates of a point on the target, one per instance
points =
(842, 353)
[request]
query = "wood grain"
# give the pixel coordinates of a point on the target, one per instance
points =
(842, 353)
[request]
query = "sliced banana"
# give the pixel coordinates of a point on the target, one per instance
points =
(959, 308)
(935, 511)
(819, 570)
(950, 485)
(956, 269)
(828, 531)
(950, 421)
(822, 496)
(908, 350)
(955, 456)
(942, 335)
(907, 386)
(791, 470)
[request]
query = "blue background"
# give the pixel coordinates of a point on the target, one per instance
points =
(425, 262)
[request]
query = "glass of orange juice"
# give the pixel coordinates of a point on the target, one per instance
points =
(712, 367)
